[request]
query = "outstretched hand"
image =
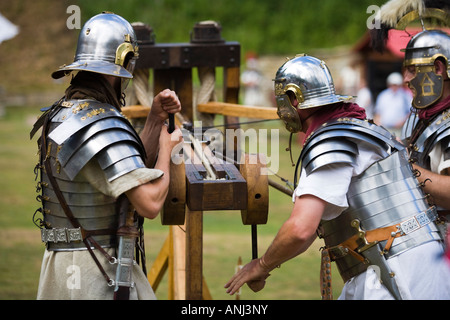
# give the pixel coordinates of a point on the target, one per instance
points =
(252, 273)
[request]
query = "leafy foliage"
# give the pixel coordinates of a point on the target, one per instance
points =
(262, 26)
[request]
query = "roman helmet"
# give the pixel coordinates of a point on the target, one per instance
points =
(107, 45)
(309, 81)
(424, 48)
(421, 52)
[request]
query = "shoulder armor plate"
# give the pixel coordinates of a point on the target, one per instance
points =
(330, 144)
(93, 129)
(329, 151)
(437, 132)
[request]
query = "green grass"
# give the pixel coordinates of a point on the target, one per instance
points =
(225, 238)
(17, 160)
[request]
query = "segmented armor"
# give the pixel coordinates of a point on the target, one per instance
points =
(388, 212)
(437, 133)
(80, 132)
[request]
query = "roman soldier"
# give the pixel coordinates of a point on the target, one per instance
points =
(427, 72)
(98, 178)
(357, 190)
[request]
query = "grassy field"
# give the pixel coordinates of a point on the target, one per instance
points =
(225, 238)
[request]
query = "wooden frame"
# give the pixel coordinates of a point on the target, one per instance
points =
(172, 65)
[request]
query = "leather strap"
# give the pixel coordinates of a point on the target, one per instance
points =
(387, 233)
(351, 246)
(443, 213)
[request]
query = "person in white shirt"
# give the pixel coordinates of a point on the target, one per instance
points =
(393, 104)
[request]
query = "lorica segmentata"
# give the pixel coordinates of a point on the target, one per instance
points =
(437, 133)
(388, 211)
(81, 133)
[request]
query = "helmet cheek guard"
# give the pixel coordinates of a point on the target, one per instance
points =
(288, 114)
(124, 52)
(126, 56)
(301, 83)
(285, 109)
(427, 86)
(421, 53)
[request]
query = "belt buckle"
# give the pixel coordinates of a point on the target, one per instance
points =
(414, 223)
(338, 252)
(423, 218)
(74, 234)
(409, 225)
(60, 235)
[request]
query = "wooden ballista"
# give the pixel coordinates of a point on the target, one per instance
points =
(200, 181)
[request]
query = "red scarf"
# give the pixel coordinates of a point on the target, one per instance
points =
(324, 114)
(428, 113)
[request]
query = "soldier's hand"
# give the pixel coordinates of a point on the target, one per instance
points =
(164, 103)
(252, 274)
(170, 140)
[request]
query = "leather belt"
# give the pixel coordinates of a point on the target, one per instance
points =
(370, 237)
(362, 240)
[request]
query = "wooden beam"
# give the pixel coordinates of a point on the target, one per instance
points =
(188, 55)
(138, 111)
(237, 110)
(216, 107)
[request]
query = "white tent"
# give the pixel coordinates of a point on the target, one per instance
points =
(7, 29)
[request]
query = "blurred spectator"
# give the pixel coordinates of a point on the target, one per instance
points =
(252, 80)
(349, 78)
(364, 98)
(393, 104)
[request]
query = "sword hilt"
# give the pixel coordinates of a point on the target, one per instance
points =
(362, 235)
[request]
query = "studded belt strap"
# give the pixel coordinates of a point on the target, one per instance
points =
(325, 275)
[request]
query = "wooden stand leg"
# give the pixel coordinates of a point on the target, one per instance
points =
(194, 255)
(179, 263)
(173, 259)
(160, 265)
